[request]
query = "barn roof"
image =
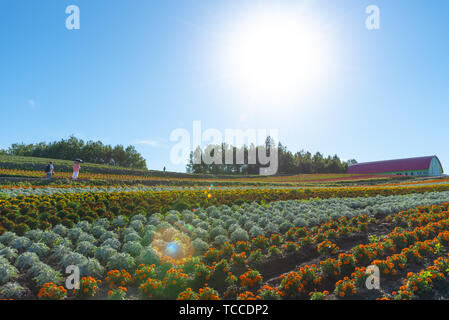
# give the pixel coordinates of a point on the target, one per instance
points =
(420, 163)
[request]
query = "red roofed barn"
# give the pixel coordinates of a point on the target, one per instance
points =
(420, 167)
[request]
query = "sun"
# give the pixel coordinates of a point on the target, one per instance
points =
(277, 56)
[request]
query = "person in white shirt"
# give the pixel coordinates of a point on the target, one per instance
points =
(76, 170)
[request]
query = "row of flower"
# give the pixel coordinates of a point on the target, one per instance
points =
(29, 190)
(21, 213)
(14, 191)
(152, 243)
(124, 243)
(121, 243)
(225, 269)
(40, 258)
(12, 170)
(90, 175)
(425, 238)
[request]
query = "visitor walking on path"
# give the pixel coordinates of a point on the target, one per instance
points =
(76, 170)
(50, 170)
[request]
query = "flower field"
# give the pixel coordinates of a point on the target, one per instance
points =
(158, 177)
(166, 153)
(295, 192)
(245, 244)
(143, 235)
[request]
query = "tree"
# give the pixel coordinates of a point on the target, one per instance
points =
(288, 163)
(72, 148)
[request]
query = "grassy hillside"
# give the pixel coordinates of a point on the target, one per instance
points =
(38, 164)
(31, 163)
(29, 169)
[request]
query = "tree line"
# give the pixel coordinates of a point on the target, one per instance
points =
(301, 162)
(74, 148)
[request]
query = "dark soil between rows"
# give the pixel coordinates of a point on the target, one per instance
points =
(273, 269)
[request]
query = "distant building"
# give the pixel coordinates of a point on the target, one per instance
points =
(419, 167)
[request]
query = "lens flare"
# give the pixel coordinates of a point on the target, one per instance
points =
(172, 249)
(172, 245)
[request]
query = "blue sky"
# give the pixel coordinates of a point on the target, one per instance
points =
(137, 70)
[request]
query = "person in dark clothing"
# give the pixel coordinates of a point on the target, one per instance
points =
(50, 170)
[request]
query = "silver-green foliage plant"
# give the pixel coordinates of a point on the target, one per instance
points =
(43, 273)
(200, 246)
(119, 222)
(84, 225)
(87, 237)
(200, 233)
(256, 231)
(34, 235)
(172, 217)
(108, 235)
(239, 235)
(271, 228)
(39, 248)
(13, 290)
(73, 259)
(7, 273)
(9, 253)
(58, 252)
(139, 217)
(148, 257)
(155, 219)
(26, 260)
(187, 216)
(102, 222)
(120, 261)
(7, 237)
(217, 231)
(137, 225)
(103, 253)
(131, 237)
(112, 242)
(86, 248)
(74, 233)
(220, 240)
(164, 225)
(97, 231)
(134, 248)
(147, 237)
(93, 268)
(51, 238)
(61, 230)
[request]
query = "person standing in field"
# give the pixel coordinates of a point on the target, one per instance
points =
(76, 170)
(50, 170)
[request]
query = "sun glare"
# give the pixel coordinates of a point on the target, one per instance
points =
(277, 57)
